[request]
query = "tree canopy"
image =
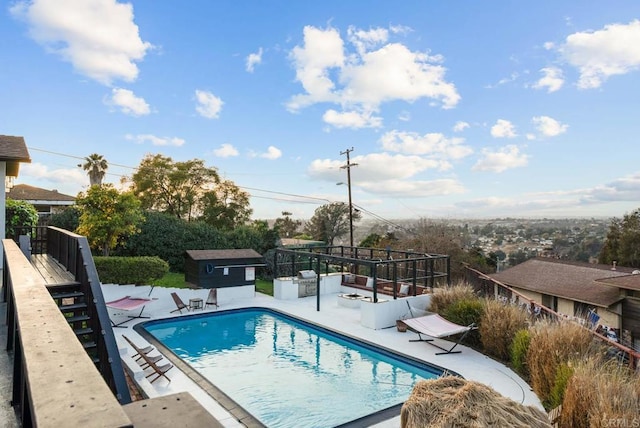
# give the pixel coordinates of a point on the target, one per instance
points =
(96, 166)
(176, 188)
(330, 221)
(106, 215)
(622, 244)
(226, 206)
(286, 226)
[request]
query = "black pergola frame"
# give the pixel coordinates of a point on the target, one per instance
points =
(372, 259)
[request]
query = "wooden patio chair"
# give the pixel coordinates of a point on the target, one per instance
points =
(212, 299)
(139, 351)
(179, 303)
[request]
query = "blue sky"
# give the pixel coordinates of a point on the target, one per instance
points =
(453, 109)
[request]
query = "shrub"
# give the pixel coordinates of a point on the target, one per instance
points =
(19, 215)
(442, 298)
(466, 312)
(600, 394)
(498, 326)
(552, 344)
(130, 270)
(518, 352)
(563, 374)
(68, 219)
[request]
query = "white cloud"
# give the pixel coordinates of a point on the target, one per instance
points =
(365, 40)
(254, 59)
(460, 126)
(225, 151)
(39, 171)
(552, 79)
(375, 167)
(209, 105)
(368, 75)
(154, 140)
(501, 160)
(128, 102)
(98, 37)
(503, 129)
(272, 153)
(322, 50)
(548, 126)
(433, 144)
(622, 189)
(598, 55)
(413, 188)
(351, 119)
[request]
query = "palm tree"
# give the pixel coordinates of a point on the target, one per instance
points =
(96, 167)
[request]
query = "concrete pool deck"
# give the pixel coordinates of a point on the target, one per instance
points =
(470, 364)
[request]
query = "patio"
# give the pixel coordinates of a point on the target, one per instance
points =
(470, 364)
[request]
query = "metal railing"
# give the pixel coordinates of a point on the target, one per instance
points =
(73, 252)
(55, 383)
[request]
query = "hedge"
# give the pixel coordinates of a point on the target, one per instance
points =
(130, 270)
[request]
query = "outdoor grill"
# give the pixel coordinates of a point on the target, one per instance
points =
(307, 283)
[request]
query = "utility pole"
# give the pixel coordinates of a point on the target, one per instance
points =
(348, 168)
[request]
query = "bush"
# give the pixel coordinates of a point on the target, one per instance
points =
(498, 326)
(442, 298)
(130, 270)
(20, 215)
(600, 394)
(168, 237)
(466, 312)
(518, 352)
(563, 374)
(68, 219)
(553, 344)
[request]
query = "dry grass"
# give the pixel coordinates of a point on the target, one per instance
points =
(601, 394)
(552, 344)
(455, 402)
(498, 326)
(442, 298)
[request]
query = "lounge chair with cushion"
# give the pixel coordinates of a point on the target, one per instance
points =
(435, 326)
(179, 303)
(212, 299)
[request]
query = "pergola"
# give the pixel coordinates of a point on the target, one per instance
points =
(379, 264)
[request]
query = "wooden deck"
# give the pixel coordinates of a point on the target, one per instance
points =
(51, 270)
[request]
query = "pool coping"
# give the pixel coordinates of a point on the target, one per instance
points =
(245, 417)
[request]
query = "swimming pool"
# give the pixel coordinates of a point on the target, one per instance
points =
(289, 373)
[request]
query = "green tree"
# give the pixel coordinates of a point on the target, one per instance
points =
(18, 215)
(286, 226)
(106, 215)
(96, 167)
(623, 241)
(330, 221)
(176, 188)
(226, 206)
(68, 218)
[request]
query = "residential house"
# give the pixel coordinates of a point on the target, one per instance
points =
(46, 202)
(574, 288)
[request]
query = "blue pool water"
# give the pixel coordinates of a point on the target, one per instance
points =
(289, 373)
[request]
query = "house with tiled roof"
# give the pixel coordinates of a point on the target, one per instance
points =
(573, 288)
(45, 201)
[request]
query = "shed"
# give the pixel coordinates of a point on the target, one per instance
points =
(222, 268)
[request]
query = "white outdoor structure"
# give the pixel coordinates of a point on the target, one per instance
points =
(13, 150)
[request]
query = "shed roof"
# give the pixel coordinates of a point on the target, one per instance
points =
(228, 254)
(13, 150)
(569, 280)
(24, 192)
